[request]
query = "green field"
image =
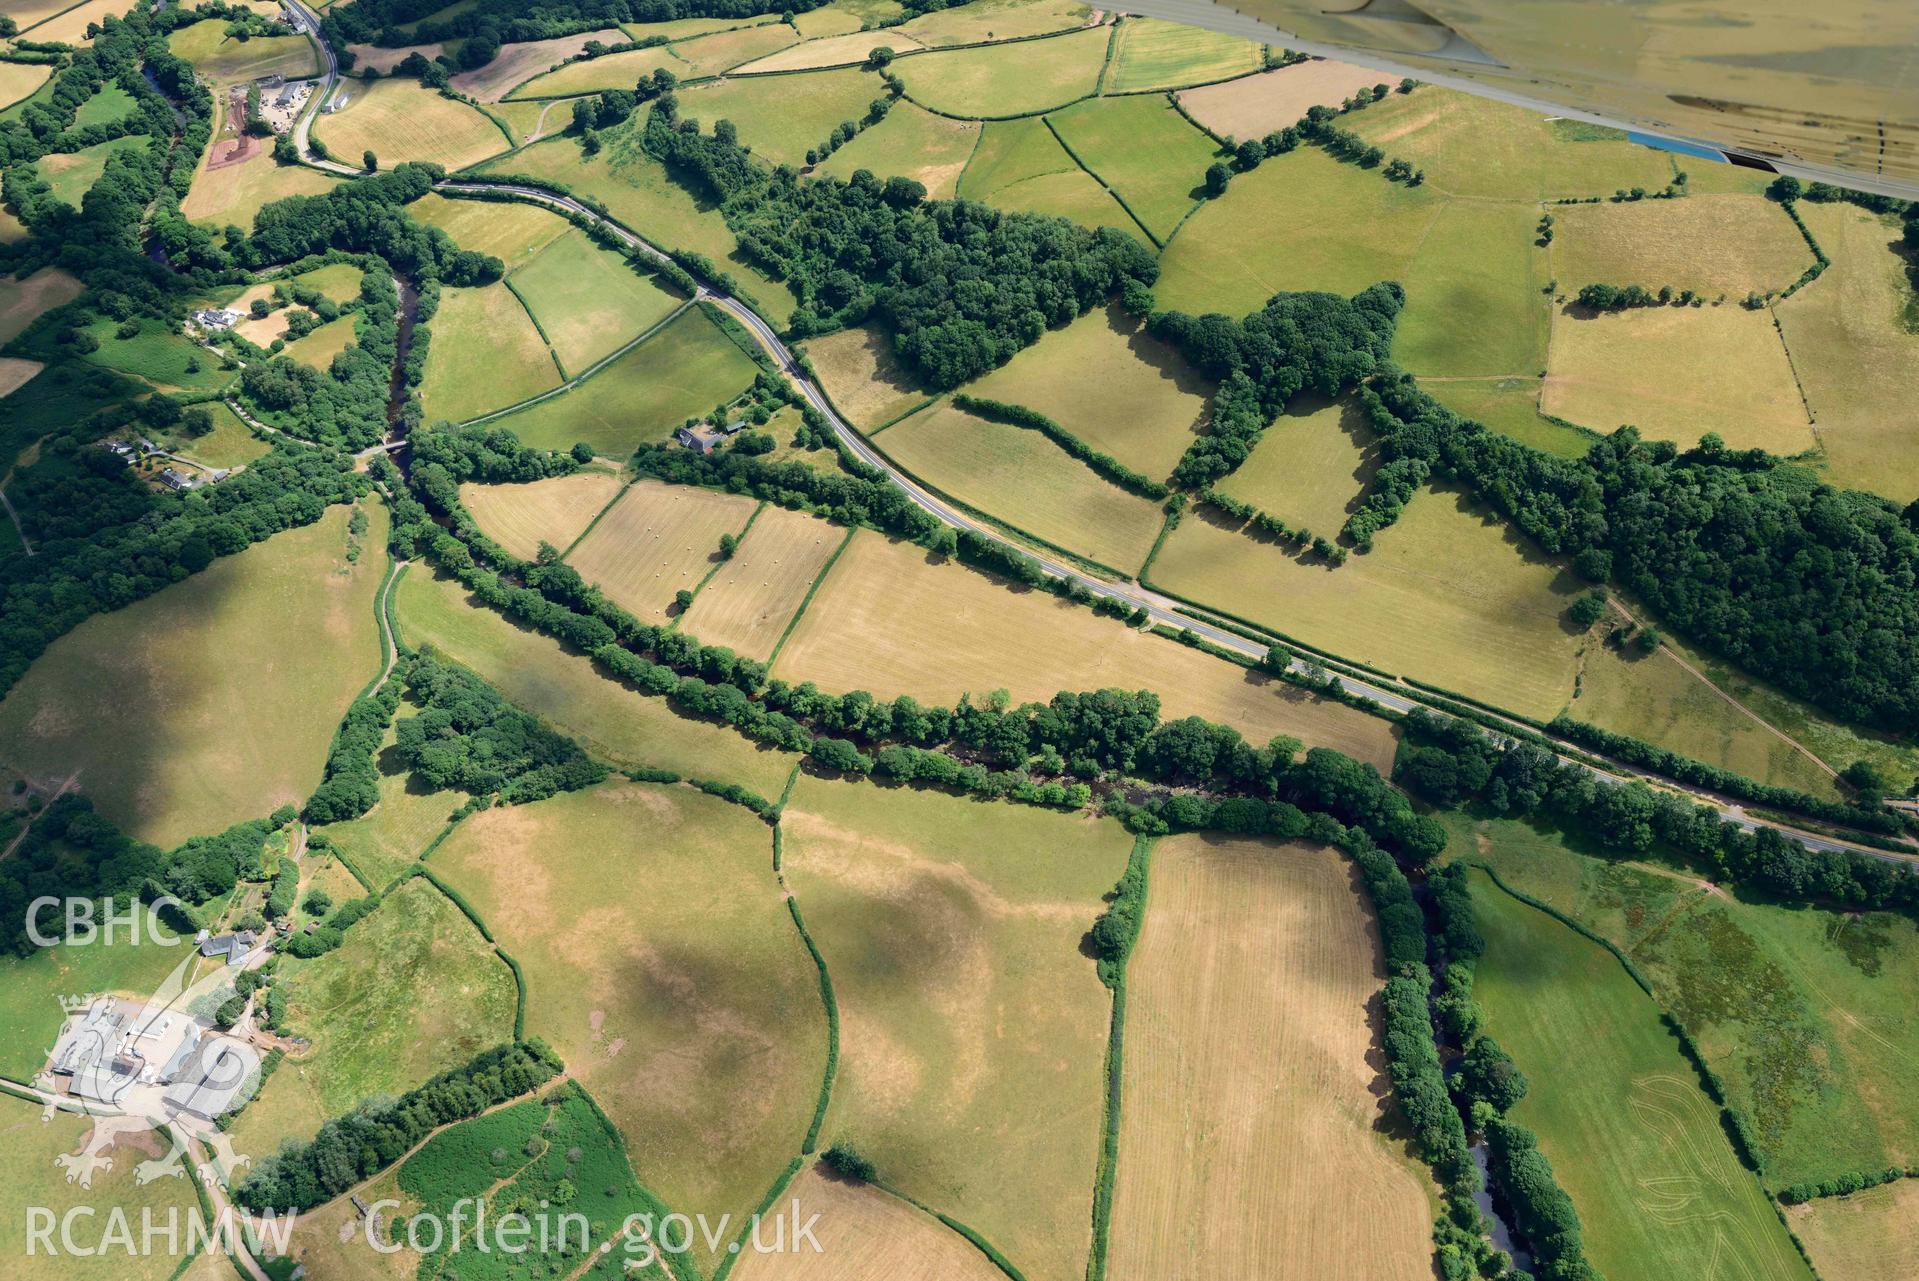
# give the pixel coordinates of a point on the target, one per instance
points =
(1311, 467)
(413, 991)
(31, 1178)
(588, 300)
(1509, 406)
(159, 354)
(1019, 165)
(1024, 479)
(71, 174)
(1802, 1012)
(511, 232)
(636, 190)
(1619, 1112)
(486, 354)
(613, 722)
(1473, 146)
(682, 371)
(213, 701)
(781, 117)
(614, 71)
(687, 1003)
(110, 104)
(1144, 150)
(910, 143)
(1475, 301)
(384, 843)
(230, 444)
(1103, 379)
(1152, 54)
(973, 1028)
(225, 60)
(1006, 80)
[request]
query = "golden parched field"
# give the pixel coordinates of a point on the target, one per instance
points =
(564, 689)
(1105, 381)
(1154, 54)
(214, 700)
(486, 354)
(1254, 106)
(857, 368)
(517, 62)
(20, 79)
(889, 621)
(684, 1000)
(658, 540)
(1677, 373)
(400, 120)
(1867, 1236)
(24, 301)
(972, 1027)
(1712, 244)
(910, 143)
(1021, 477)
(556, 510)
(994, 20)
(831, 51)
(865, 1235)
(511, 232)
(1253, 1128)
(750, 601)
(1009, 80)
(1311, 466)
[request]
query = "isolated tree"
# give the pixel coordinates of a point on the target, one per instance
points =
(370, 162)
(683, 600)
(1218, 176)
(1647, 640)
(1587, 610)
(879, 57)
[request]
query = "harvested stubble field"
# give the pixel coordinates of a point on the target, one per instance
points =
(636, 190)
(70, 26)
(1007, 80)
(213, 701)
(689, 1005)
(510, 231)
(910, 143)
(972, 1026)
(556, 511)
(843, 50)
(1677, 373)
(400, 120)
(1153, 54)
(18, 80)
(564, 689)
(24, 301)
(589, 300)
(614, 71)
(486, 354)
(1853, 351)
(517, 62)
(234, 194)
(1105, 381)
(680, 372)
(1802, 1012)
(1864, 1237)
(722, 51)
(1143, 149)
(1254, 106)
(1021, 477)
(866, 381)
(1714, 245)
(1252, 1133)
(1618, 1110)
(994, 20)
(28, 14)
(890, 621)
(32, 1179)
(753, 597)
(1442, 589)
(657, 540)
(1311, 466)
(413, 991)
(1474, 146)
(781, 117)
(866, 1235)
(1020, 166)
(1654, 698)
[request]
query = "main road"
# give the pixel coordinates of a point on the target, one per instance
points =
(1134, 596)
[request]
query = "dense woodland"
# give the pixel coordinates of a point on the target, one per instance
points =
(491, 23)
(961, 286)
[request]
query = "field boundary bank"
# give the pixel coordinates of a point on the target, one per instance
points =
(552, 352)
(1106, 1173)
(1107, 187)
(792, 624)
(626, 483)
(581, 377)
(978, 1241)
(719, 564)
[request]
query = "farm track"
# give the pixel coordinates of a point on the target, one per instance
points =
(1159, 608)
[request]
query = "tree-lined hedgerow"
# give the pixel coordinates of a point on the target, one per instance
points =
(360, 1144)
(1105, 464)
(960, 286)
(1813, 588)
